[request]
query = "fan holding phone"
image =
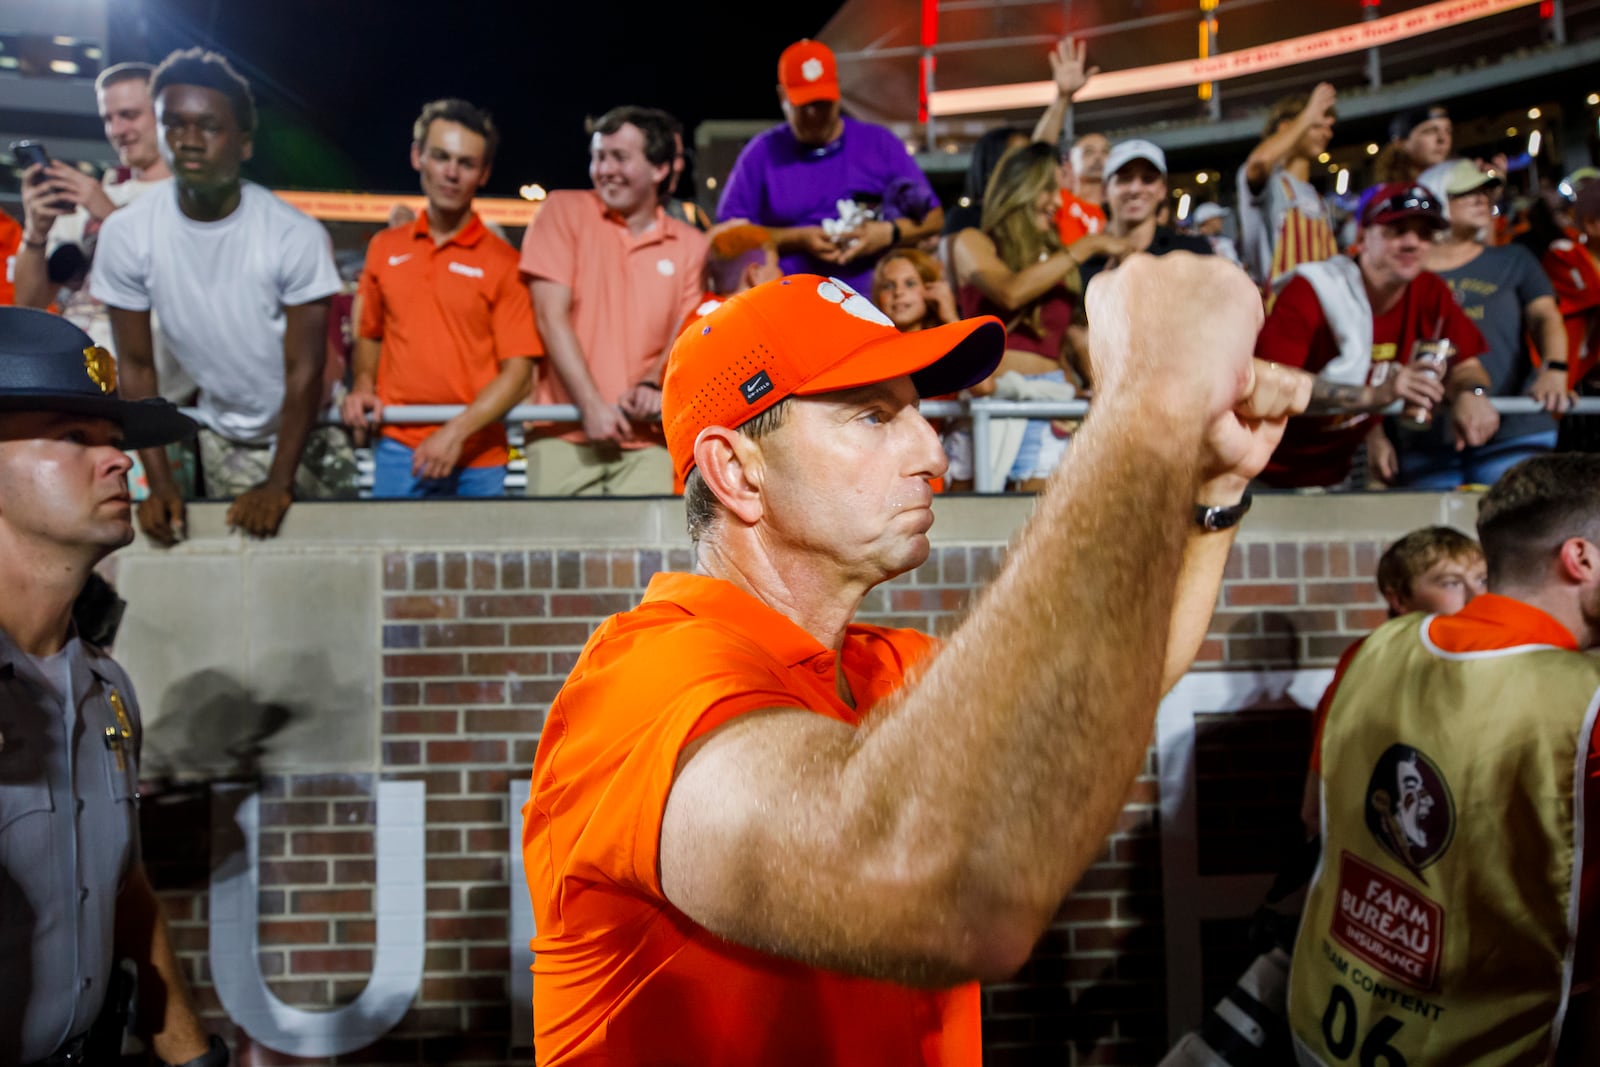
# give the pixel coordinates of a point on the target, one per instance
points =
(63, 209)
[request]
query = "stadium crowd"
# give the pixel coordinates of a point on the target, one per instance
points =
(195, 285)
(1437, 253)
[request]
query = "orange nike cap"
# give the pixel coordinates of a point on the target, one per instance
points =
(807, 71)
(803, 335)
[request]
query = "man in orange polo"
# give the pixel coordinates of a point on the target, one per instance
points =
(444, 320)
(761, 833)
(612, 277)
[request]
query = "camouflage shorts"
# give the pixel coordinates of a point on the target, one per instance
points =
(327, 468)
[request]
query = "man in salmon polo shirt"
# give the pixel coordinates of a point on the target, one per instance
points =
(445, 319)
(613, 276)
(761, 833)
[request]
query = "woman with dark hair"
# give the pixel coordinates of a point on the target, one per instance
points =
(986, 154)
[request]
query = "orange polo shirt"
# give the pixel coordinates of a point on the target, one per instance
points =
(10, 246)
(1489, 623)
(447, 315)
(1078, 219)
(629, 293)
(620, 975)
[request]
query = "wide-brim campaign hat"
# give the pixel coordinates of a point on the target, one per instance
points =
(801, 336)
(48, 364)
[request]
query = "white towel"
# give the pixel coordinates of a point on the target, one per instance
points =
(1343, 296)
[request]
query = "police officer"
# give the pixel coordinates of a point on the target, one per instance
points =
(74, 896)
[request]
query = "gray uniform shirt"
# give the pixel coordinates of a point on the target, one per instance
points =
(69, 836)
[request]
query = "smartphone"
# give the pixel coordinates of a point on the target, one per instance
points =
(27, 154)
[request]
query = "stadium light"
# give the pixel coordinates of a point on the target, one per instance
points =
(1342, 183)
(1372, 149)
(1324, 158)
(1201, 178)
(1183, 207)
(1534, 113)
(1534, 140)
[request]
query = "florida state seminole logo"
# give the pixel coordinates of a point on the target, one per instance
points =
(1409, 808)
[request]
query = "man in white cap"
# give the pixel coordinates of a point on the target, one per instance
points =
(1136, 187)
(1209, 219)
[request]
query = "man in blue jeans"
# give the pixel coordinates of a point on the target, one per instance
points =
(445, 319)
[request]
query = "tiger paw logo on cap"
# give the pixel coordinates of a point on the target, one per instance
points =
(836, 292)
(811, 69)
(1409, 808)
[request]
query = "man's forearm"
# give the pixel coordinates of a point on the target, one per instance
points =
(364, 363)
(1340, 398)
(566, 356)
(166, 1011)
(32, 277)
(1205, 556)
(912, 231)
(1274, 151)
(302, 392)
(138, 380)
(1464, 377)
(790, 239)
(509, 388)
(304, 356)
(1028, 726)
(1048, 129)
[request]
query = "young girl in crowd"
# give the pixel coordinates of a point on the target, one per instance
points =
(910, 288)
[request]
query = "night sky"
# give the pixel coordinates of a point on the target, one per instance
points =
(340, 81)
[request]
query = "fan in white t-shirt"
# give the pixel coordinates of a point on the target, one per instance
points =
(241, 283)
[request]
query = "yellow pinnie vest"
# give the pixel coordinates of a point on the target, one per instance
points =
(1439, 923)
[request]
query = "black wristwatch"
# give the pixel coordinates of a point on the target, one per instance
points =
(215, 1055)
(894, 224)
(1222, 516)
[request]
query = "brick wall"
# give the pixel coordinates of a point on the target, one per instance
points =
(474, 646)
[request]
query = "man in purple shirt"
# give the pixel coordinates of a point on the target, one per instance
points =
(836, 193)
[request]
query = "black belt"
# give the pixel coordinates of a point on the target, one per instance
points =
(73, 1054)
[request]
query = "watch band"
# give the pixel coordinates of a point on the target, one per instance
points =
(1222, 516)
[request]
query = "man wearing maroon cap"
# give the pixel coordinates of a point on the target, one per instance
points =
(1354, 323)
(836, 193)
(764, 833)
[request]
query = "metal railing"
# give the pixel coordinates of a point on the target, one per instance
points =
(981, 411)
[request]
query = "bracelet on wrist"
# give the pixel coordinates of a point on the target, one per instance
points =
(34, 244)
(1212, 518)
(894, 224)
(1555, 364)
